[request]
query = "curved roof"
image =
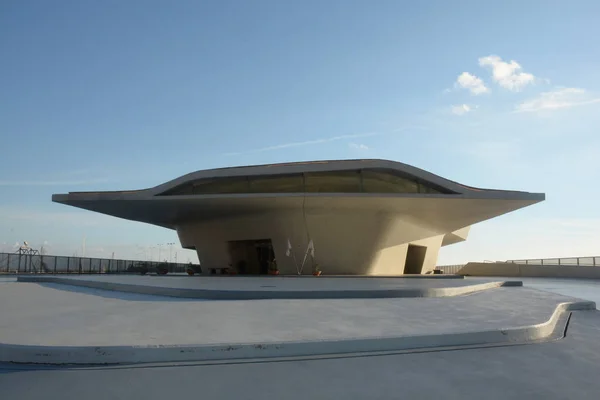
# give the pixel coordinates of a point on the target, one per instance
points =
(455, 207)
(302, 167)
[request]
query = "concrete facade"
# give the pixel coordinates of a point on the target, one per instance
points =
(346, 242)
(354, 232)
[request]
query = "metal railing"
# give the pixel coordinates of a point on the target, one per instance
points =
(45, 264)
(565, 261)
(569, 261)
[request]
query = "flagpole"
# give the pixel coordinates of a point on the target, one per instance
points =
(291, 251)
(295, 262)
(303, 261)
(311, 248)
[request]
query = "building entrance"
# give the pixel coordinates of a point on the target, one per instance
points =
(251, 257)
(415, 256)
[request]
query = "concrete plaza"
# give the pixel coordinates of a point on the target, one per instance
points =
(54, 314)
(59, 315)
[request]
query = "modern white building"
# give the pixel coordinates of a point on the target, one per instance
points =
(372, 217)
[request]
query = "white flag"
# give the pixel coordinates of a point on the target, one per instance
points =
(289, 249)
(311, 249)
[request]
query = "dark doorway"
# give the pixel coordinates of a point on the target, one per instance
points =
(251, 257)
(415, 256)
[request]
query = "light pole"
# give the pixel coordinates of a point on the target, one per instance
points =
(159, 248)
(170, 250)
(143, 251)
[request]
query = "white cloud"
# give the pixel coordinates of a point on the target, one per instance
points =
(472, 83)
(557, 99)
(411, 128)
(305, 143)
(461, 109)
(507, 74)
(358, 146)
(323, 140)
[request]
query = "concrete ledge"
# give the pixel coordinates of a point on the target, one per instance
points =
(407, 276)
(551, 329)
(272, 294)
(527, 270)
(206, 275)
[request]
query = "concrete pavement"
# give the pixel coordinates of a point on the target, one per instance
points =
(566, 369)
(59, 315)
(52, 323)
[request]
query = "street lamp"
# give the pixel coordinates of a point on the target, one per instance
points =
(143, 251)
(159, 248)
(170, 250)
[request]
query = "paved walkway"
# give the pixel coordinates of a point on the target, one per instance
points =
(567, 369)
(564, 369)
(63, 315)
(588, 289)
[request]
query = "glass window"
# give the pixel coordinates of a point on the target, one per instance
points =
(333, 182)
(222, 186)
(277, 184)
(182, 190)
(384, 182)
(367, 181)
(424, 188)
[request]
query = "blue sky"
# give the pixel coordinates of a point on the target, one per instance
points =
(128, 94)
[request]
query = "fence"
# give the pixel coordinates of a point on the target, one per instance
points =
(45, 264)
(569, 261)
(581, 261)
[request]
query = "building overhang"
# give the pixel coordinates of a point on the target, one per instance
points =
(443, 212)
